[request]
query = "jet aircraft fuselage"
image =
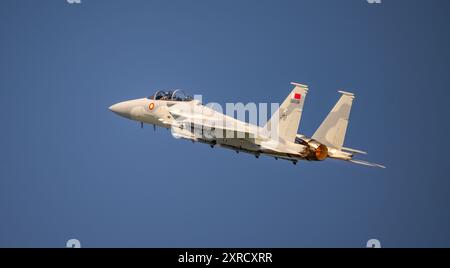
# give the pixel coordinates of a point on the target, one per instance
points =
(189, 119)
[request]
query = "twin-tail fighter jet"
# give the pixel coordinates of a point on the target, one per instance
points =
(189, 119)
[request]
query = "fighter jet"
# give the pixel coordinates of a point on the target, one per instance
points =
(189, 119)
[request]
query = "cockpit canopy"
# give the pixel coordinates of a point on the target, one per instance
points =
(171, 95)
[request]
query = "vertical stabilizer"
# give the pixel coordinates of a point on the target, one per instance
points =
(286, 119)
(332, 130)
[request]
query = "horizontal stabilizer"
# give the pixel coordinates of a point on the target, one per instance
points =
(365, 163)
(353, 150)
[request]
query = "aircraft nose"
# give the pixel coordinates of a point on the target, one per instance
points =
(121, 108)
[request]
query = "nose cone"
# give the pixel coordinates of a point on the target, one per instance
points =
(121, 108)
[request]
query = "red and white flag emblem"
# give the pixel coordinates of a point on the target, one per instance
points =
(297, 96)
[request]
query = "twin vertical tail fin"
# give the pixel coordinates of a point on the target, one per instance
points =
(332, 130)
(286, 119)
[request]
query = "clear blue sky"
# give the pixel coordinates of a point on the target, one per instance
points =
(69, 168)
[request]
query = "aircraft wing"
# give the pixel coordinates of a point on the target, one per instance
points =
(215, 131)
(193, 126)
(213, 123)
